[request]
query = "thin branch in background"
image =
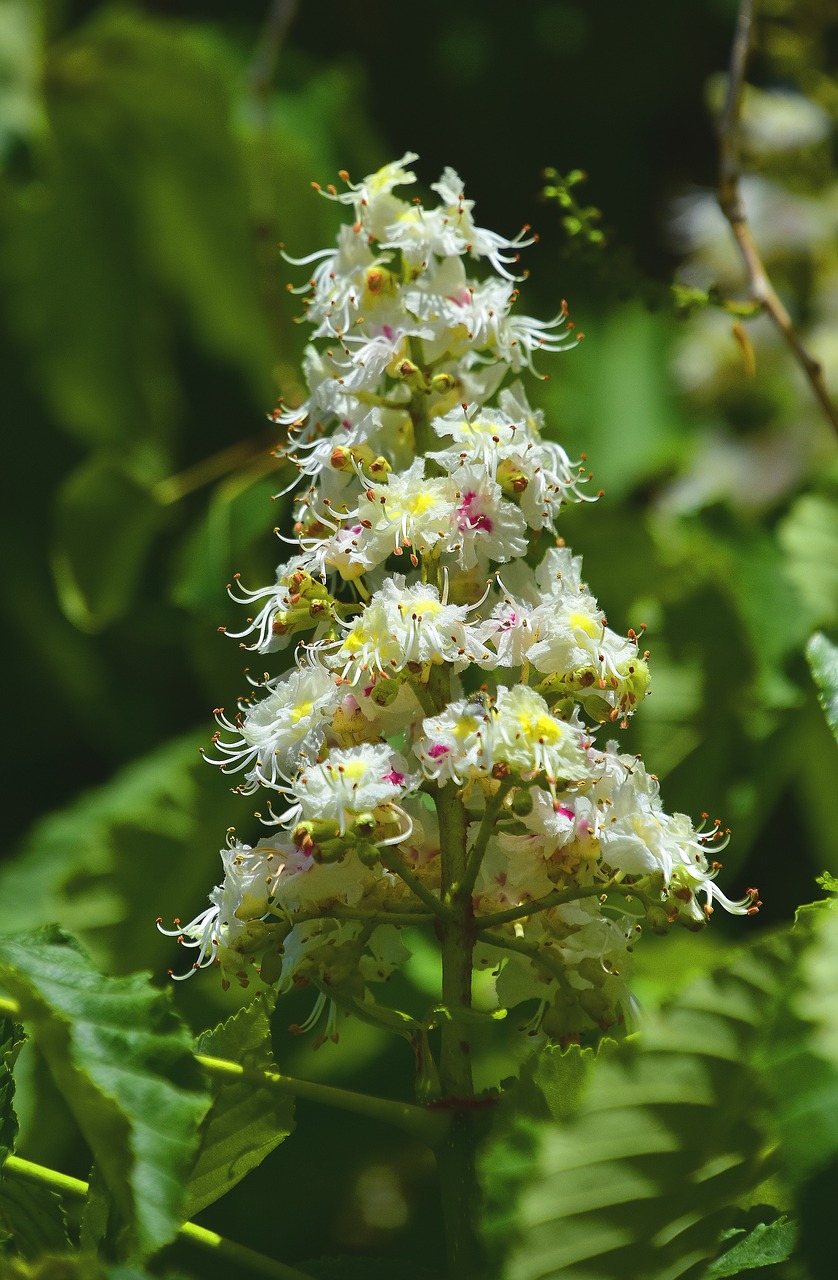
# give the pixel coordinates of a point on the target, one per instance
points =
(263, 67)
(733, 208)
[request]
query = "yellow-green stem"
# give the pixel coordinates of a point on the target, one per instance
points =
(456, 1154)
(238, 1255)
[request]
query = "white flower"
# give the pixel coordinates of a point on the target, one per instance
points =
(372, 199)
(291, 720)
(527, 737)
(402, 625)
(485, 525)
(349, 782)
(454, 743)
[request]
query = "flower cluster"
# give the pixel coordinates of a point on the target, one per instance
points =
(433, 754)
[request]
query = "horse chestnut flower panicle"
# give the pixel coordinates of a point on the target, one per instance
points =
(450, 660)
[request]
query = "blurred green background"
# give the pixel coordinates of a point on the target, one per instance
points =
(152, 159)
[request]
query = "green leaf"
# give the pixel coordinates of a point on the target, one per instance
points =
(11, 1039)
(239, 517)
(123, 1062)
(553, 1081)
(823, 662)
(641, 1180)
(137, 218)
(244, 1123)
(764, 1245)
(20, 39)
(808, 535)
(800, 1058)
(32, 1217)
(137, 847)
(104, 525)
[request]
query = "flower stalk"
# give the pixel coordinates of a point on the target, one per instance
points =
(440, 752)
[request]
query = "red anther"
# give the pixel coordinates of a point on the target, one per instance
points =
(343, 174)
(316, 186)
(332, 190)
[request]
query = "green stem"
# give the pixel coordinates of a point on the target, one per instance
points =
(456, 1155)
(395, 863)
(250, 453)
(487, 826)
(559, 897)
(537, 954)
(429, 1127)
(381, 916)
(414, 1120)
(237, 1254)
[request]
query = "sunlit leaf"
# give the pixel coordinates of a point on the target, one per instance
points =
(764, 1245)
(809, 537)
(823, 660)
(20, 56)
(137, 218)
(123, 1062)
(244, 1123)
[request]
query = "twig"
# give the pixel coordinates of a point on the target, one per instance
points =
(238, 1255)
(733, 207)
(280, 16)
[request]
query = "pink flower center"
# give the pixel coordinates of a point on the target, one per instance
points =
(395, 777)
(468, 517)
(438, 750)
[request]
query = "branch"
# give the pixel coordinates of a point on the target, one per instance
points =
(237, 1254)
(561, 896)
(277, 23)
(414, 1120)
(478, 850)
(732, 206)
(395, 863)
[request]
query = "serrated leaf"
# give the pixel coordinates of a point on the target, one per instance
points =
(800, 1058)
(764, 1245)
(244, 1124)
(123, 1062)
(553, 1081)
(808, 535)
(823, 662)
(11, 1039)
(32, 1217)
(640, 1182)
(104, 525)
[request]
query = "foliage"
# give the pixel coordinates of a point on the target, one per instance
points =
(147, 176)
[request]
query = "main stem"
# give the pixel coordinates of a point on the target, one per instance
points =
(456, 1154)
